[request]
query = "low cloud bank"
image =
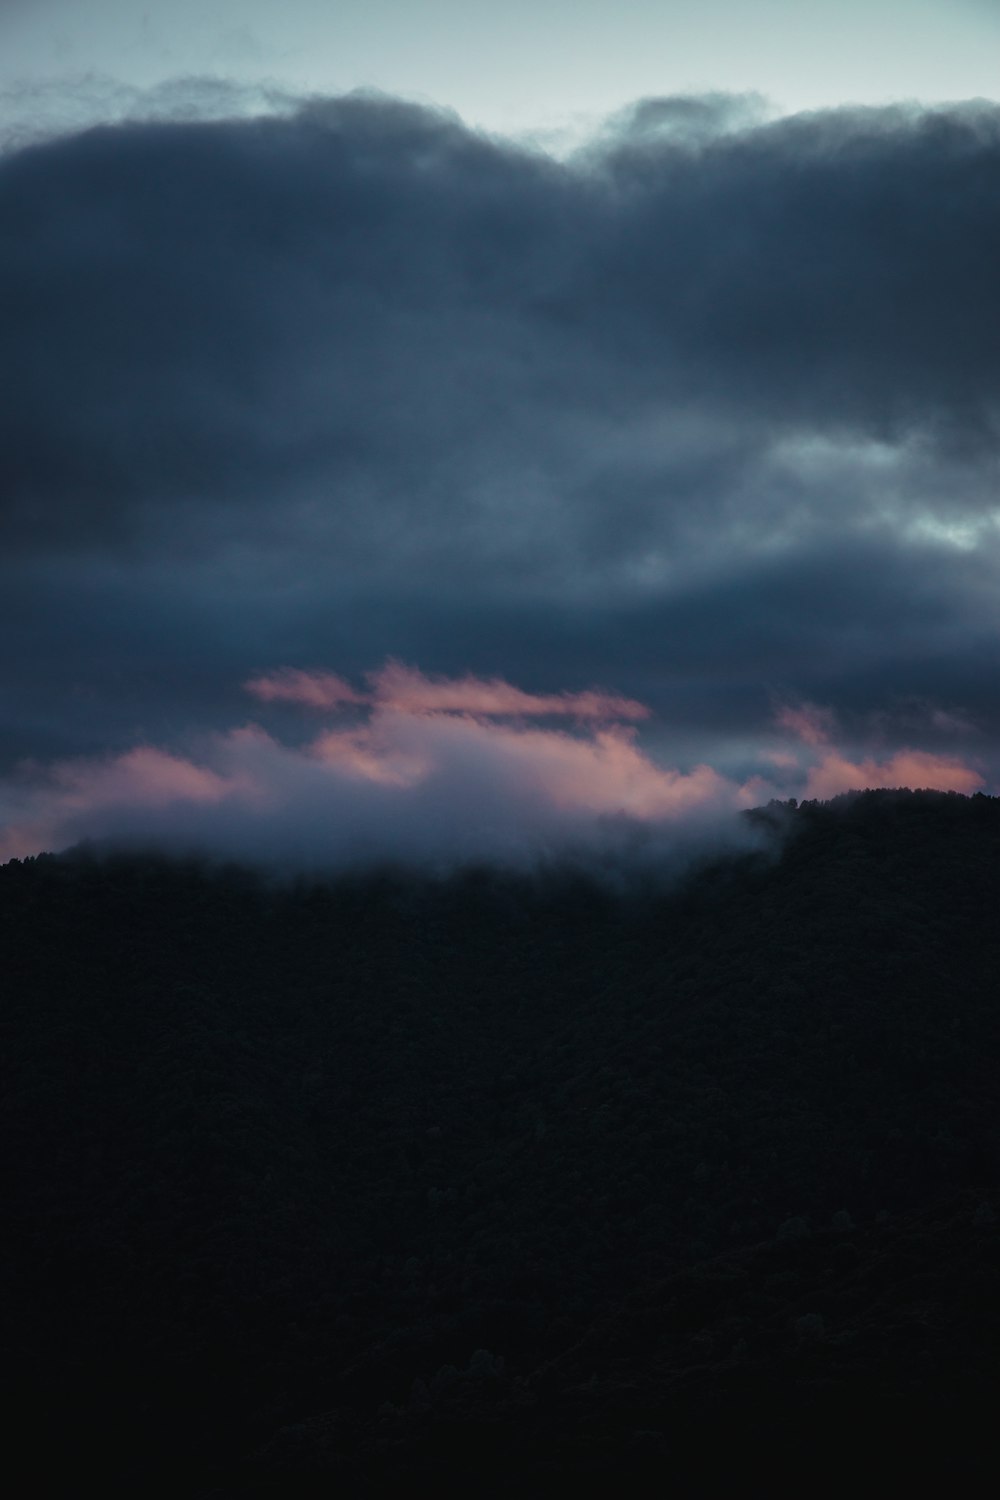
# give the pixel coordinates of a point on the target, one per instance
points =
(438, 772)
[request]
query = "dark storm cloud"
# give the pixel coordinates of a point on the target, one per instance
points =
(832, 268)
(365, 295)
(706, 413)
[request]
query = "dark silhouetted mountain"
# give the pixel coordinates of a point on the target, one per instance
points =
(498, 1183)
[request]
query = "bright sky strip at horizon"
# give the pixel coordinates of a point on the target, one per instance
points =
(522, 68)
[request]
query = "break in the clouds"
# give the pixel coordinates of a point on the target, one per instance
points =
(706, 412)
(434, 771)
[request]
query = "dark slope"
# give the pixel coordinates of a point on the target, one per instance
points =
(508, 1181)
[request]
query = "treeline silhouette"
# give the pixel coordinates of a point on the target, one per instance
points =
(500, 1182)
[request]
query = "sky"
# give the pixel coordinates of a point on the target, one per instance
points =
(440, 430)
(517, 68)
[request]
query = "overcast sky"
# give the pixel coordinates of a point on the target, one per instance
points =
(694, 404)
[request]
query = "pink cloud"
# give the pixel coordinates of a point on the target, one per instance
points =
(410, 691)
(398, 686)
(601, 773)
(809, 722)
(783, 760)
(918, 769)
(434, 770)
(152, 775)
(73, 794)
(835, 771)
(369, 754)
(322, 690)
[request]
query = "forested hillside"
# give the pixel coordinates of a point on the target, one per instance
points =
(501, 1181)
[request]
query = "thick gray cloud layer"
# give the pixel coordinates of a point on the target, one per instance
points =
(708, 414)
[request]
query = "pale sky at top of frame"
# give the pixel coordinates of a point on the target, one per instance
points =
(521, 68)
